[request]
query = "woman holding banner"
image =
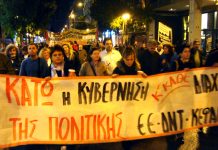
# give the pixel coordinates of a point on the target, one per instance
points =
(184, 62)
(60, 66)
(94, 66)
(129, 65)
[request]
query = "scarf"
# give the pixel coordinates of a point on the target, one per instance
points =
(55, 69)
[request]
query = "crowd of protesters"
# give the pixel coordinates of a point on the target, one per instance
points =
(102, 59)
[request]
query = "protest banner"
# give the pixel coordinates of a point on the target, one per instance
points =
(105, 109)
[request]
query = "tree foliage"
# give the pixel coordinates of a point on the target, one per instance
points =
(108, 13)
(105, 11)
(26, 16)
(116, 23)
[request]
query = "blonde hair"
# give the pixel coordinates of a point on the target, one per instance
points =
(43, 50)
(129, 50)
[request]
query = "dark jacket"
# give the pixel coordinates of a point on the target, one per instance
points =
(150, 62)
(5, 65)
(123, 69)
(179, 65)
(16, 63)
(193, 53)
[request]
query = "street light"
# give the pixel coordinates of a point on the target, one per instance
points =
(125, 17)
(72, 17)
(80, 4)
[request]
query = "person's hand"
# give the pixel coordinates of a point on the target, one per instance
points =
(144, 75)
(186, 69)
(115, 75)
(47, 78)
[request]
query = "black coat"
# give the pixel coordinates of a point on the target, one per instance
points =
(123, 69)
(150, 62)
(5, 65)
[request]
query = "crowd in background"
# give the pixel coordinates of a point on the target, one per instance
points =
(103, 59)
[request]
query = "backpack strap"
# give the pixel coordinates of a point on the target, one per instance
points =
(93, 69)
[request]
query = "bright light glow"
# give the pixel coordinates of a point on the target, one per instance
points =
(171, 9)
(204, 21)
(72, 16)
(113, 37)
(87, 30)
(39, 39)
(126, 16)
(107, 34)
(216, 2)
(80, 4)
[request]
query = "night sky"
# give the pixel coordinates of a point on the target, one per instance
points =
(61, 15)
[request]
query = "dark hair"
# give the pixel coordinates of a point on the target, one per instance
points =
(107, 39)
(195, 41)
(170, 49)
(66, 45)
(181, 48)
(59, 49)
(32, 44)
(92, 49)
(211, 59)
(9, 48)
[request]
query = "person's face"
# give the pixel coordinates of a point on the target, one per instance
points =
(57, 57)
(196, 45)
(129, 60)
(13, 52)
(166, 50)
(66, 50)
(151, 47)
(46, 54)
(108, 45)
(95, 55)
(32, 50)
(186, 53)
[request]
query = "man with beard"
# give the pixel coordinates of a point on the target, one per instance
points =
(34, 66)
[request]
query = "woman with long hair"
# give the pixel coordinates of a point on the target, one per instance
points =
(72, 56)
(45, 54)
(94, 66)
(13, 55)
(128, 65)
(184, 61)
(167, 58)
